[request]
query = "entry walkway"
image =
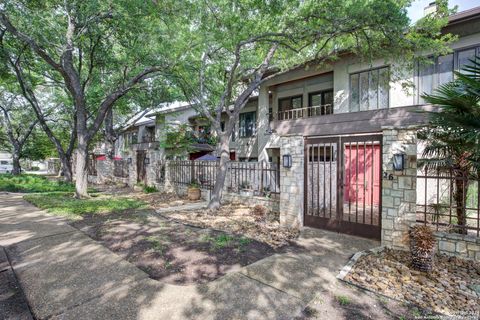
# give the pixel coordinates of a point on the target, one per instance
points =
(67, 275)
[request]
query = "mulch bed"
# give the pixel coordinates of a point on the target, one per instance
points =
(239, 219)
(172, 252)
(452, 288)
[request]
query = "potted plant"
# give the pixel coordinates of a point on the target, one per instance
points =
(245, 189)
(193, 191)
(422, 247)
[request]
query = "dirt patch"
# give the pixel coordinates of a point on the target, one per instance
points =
(158, 200)
(239, 219)
(452, 288)
(155, 200)
(172, 252)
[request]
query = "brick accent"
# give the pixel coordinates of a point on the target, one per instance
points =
(398, 187)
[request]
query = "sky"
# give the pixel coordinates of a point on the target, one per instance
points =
(415, 12)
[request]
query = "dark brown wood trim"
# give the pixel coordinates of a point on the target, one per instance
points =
(353, 122)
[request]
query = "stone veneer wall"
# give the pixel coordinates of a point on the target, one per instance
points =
(398, 194)
(271, 204)
(104, 170)
(291, 182)
(463, 246)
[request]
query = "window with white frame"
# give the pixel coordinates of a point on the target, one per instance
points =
(369, 90)
(248, 124)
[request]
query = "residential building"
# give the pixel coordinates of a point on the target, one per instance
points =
(340, 126)
(345, 136)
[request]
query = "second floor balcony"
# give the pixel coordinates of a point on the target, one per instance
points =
(308, 112)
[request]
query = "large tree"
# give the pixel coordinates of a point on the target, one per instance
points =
(18, 123)
(45, 97)
(98, 50)
(235, 46)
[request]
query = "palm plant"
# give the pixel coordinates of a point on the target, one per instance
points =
(452, 139)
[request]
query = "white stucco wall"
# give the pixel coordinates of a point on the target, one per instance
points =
(247, 147)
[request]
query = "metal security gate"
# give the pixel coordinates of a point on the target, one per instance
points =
(343, 184)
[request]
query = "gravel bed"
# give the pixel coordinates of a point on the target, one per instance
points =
(452, 288)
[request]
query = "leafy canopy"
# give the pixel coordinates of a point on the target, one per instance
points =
(309, 30)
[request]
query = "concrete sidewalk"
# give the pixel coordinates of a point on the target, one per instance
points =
(67, 275)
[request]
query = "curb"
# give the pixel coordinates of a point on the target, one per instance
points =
(349, 266)
(6, 268)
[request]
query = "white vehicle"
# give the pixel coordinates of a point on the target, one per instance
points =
(6, 166)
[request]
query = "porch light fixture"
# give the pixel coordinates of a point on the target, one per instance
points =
(287, 161)
(147, 160)
(398, 161)
(129, 160)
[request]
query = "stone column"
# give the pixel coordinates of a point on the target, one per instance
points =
(291, 182)
(168, 186)
(132, 168)
(105, 170)
(399, 188)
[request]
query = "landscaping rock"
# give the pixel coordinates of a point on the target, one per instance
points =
(452, 287)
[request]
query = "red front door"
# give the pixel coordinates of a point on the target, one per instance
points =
(362, 174)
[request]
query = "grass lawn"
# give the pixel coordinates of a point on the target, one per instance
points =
(30, 183)
(64, 204)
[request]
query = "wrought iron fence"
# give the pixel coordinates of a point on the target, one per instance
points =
(449, 201)
(256, 178)
(184, 172)
(120, 168)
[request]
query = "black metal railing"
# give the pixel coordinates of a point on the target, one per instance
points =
(257, 178)
(186, 172)
(449, 201)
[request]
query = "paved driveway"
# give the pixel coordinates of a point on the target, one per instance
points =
(67, 275)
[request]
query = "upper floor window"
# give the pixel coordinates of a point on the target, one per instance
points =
(290, 107)
(433, 73)
(248, 124)
(149, 134)
(464, 56)
(289, 103)
(321, 102)
(437, 71)
(130, 138)
(369, 90)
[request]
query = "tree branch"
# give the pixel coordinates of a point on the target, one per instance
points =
(32, 43)
(117, 94)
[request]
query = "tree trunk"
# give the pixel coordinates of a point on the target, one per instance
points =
(224, 149)
(81, 174)
(110, 133)
(460, 197)
(66, 169)
(16, 163)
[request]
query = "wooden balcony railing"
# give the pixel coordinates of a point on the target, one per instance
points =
(308, 112)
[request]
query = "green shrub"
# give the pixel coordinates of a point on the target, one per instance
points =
(149, 189)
